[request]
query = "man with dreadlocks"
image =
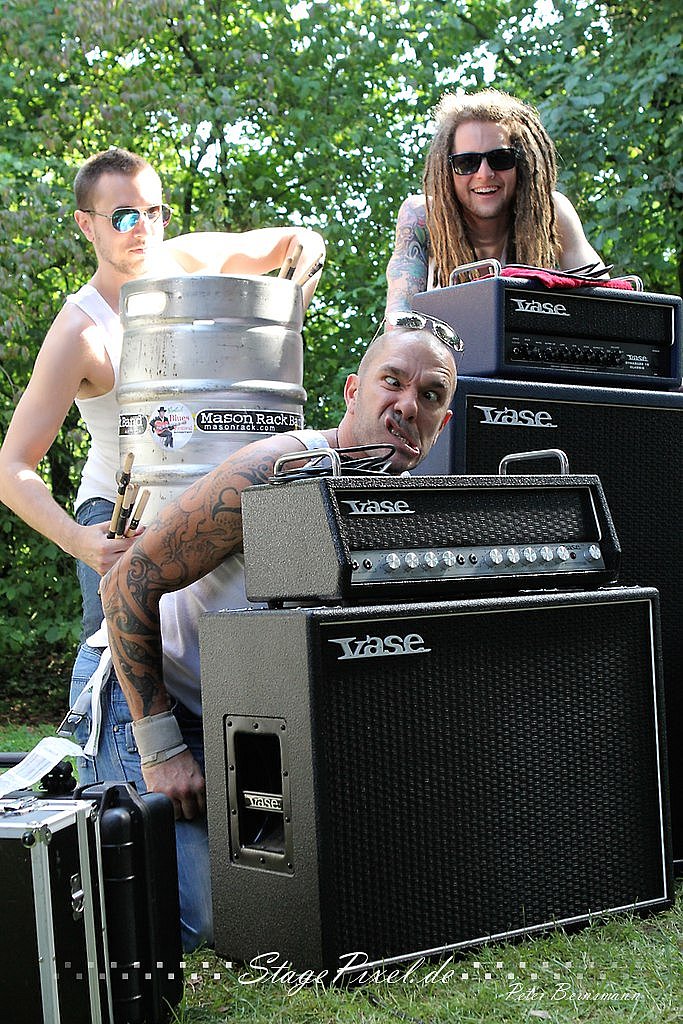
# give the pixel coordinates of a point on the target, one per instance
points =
(489, 192)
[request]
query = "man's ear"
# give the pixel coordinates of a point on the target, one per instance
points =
(447, 418)
(84, 223)
(350, 391)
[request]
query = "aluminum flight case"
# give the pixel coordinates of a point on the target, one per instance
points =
(54, 961)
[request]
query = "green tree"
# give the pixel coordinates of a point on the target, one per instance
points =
(314, 113)
(608, 80)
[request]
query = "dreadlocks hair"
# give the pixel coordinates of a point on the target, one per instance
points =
(109, 161)
(532, 237)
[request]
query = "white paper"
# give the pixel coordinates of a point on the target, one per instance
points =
(38, 762)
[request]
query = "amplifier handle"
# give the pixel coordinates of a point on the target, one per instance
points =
(493, 266)
(633, 278)
(543, 453)
(314, 455)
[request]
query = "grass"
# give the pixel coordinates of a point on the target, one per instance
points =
(23, 737)
(622, 968)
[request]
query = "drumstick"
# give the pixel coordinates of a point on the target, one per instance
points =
(124, 480)
(126, 508)
(312, 271)
(295, 260)
(137, 515)
(285, 268)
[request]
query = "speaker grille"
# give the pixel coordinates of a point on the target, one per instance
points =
(512, 516)
(635, 449)
(457, 786)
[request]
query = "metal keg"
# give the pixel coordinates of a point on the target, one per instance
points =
(208, 364)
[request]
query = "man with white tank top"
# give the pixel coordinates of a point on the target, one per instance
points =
(120, 211)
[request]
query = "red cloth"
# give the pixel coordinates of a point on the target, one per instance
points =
(556, 279)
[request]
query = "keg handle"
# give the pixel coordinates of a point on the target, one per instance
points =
(493, 266)
(152, 303)
(310, 458)
(543, 453)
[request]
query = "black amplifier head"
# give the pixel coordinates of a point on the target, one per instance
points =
(341, 539)
(516, 328)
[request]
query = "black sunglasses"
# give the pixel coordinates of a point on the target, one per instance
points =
(418, 322)
(126, 217)
(503, 159)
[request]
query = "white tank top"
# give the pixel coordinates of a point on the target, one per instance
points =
(101, 414)
(180, 611)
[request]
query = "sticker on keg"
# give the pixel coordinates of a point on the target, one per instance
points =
(132, 424)
(171, 426)
(248, 421)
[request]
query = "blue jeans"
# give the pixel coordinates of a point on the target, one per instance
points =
(117, 760)
(95, 510)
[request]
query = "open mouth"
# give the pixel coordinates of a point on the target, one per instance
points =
(404, 441)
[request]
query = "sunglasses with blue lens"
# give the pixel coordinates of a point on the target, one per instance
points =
(126, 217)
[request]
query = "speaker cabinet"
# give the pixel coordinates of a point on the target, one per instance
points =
(633, 440)
(394, 781)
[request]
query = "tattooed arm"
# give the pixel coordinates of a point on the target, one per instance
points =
(408, 267)
(191, 537)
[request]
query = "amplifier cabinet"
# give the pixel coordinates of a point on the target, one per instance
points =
(633, 441)
(54, 965)
(397, 781)
(515, 328)
(387, 538)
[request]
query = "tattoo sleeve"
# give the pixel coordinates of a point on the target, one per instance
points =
(192, 536)
(407, 270)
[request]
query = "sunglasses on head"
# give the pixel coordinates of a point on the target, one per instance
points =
(503, 159)
(419, 322)
(126, 217)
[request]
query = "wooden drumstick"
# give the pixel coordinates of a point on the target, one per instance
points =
(124, 480)
(312, 271)
(126, 508)
(137, 515)
(296, 256)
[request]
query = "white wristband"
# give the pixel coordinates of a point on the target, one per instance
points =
(158, 738)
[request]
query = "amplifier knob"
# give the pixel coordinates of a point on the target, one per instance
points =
(563, 553)
(529, 555)
(512, 555)
(411, 560)
(495, 556)
(431, 559)
(393, 562)
(546, 553)
(448, 559)
(594, 554)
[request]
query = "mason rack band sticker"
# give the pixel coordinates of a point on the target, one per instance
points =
(247, 421)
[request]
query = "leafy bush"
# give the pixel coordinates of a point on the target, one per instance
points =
(40, 610)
